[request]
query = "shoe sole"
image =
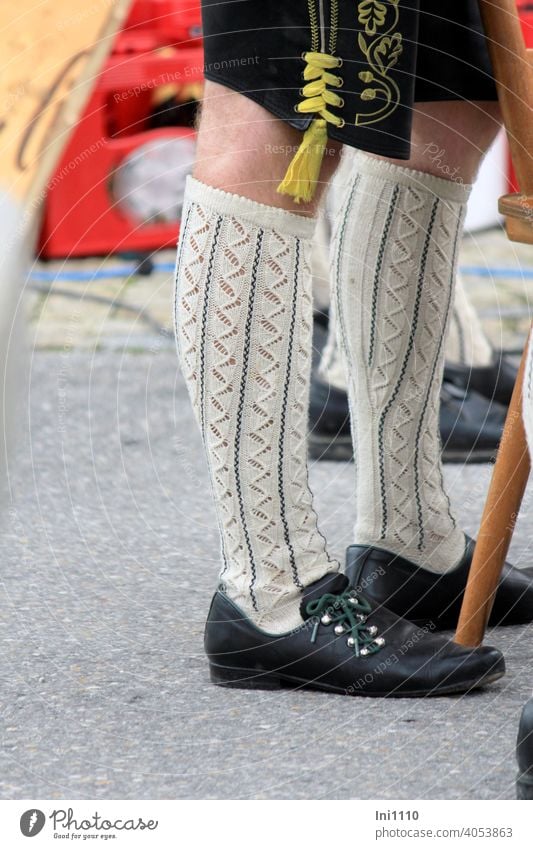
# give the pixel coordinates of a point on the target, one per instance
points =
(248, 679)
(339, 449)
(524, 787)
(474, 455)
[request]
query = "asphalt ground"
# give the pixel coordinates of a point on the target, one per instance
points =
(109, 557)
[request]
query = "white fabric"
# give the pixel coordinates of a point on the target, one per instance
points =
(527, 397)
(243, 314)
(466, 341)
(395, 253)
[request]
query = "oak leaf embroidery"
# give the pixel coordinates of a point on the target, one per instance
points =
(382, 48)
(372, 14)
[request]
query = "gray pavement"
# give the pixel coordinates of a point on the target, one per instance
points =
(108, 560)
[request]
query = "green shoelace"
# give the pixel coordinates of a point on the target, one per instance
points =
(347, 613)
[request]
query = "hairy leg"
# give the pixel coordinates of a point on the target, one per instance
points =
(245, 150)
(450, 139)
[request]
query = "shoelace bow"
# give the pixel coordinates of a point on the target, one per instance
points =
(348, 613)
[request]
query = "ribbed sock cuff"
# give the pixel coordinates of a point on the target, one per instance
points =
(257, 214)
(452, 190)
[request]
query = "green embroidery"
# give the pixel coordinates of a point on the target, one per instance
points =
(382, 52)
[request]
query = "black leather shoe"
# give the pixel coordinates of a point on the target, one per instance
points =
(426, 597)
(524, 753)
(495, 381)
(470, 427)
(330, 437)
(345, 645)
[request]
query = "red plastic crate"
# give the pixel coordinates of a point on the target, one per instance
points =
(157, 23)
(81, 217)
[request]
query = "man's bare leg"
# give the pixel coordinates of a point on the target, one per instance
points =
(450, 139)
(245, 150)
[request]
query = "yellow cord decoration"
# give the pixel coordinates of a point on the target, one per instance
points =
(304, 170)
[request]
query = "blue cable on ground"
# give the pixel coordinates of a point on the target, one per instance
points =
(79, 276)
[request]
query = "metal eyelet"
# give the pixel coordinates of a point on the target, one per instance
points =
(379, 641)
(341, 104)
(373, 630)
(364, 652)
(340, 62)
(339, 630)
(342, 124)
(326, 620)
(350, 642)
(340, 82)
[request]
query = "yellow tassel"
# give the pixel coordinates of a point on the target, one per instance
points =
(304, 170)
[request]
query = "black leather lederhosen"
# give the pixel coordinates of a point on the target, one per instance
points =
(394, 53)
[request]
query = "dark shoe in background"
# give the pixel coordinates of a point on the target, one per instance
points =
(524, 753)
(495, 381)
(345, 645)
(470, 426)
(426, 597)
(330, 437)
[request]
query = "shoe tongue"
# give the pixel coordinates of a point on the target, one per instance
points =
(333, 582)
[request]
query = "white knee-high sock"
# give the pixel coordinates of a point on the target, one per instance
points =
(243, 312)
(395, 248)
(466, 341)
(527, 397)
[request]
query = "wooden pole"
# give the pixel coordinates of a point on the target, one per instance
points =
(514, 79)
(509, 479)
